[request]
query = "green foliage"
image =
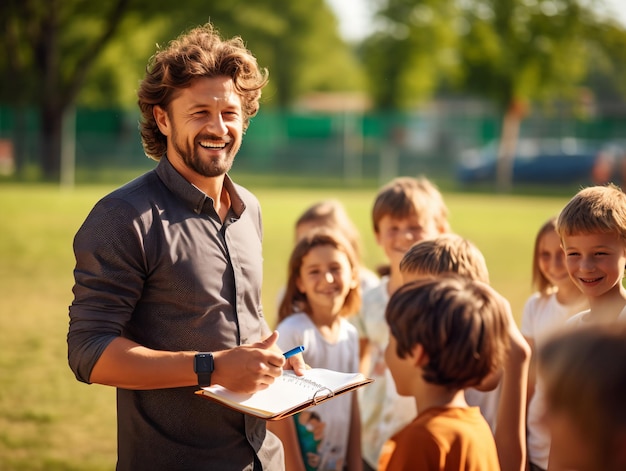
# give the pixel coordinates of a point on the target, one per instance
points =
(114, 79)
(509, 51)
(607, 56)
(52, 44)
(533, 50)
(297, 42)
(416, 52)
(60, 48)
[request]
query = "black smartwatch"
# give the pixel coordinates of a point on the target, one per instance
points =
(203, 366)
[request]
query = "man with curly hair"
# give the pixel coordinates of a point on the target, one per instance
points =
(169, 270)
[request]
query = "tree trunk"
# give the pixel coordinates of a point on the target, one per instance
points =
(51, 132)
(19, 138)
(508, 143)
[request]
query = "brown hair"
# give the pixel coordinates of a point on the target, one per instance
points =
(584, 372)
(446, 253)
(201, 52)
(406, 196)
(332, 214)
(539, 280)
(462, 325)
(294, 300)
(596, 209)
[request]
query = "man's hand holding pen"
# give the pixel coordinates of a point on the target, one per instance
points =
(251, 368)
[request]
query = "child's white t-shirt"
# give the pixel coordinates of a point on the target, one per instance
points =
(542, 315)
(328, 438)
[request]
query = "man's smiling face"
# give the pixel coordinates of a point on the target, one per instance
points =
(204, 127)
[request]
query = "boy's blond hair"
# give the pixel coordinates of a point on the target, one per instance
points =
(596, 209)
(446, 253)
(462, 324)
(406, 196)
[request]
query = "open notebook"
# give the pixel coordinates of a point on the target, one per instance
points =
(289, 393)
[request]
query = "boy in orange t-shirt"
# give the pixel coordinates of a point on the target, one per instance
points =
(447, 334)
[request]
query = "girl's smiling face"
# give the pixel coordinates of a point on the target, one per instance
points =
(551, 260)
(595, 262)
(326, 277)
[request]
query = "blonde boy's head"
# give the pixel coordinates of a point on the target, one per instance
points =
(461, 324)
(406, 196)
(597, 209)
(446, 253)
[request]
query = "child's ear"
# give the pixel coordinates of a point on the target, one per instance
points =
(419, 356)
(354, 283)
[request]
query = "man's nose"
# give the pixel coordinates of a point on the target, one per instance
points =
(215, 125)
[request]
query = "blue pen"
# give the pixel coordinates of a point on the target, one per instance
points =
(294, 351)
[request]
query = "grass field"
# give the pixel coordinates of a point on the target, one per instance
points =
(49, 421)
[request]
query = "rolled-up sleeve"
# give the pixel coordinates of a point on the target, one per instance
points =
(109, 277)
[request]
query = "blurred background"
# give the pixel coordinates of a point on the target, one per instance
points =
(487, 93)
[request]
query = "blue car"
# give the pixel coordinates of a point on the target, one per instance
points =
(566, 160)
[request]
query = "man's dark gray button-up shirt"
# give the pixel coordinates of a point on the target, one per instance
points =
(155, 264)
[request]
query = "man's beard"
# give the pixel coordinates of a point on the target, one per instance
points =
(206, 168)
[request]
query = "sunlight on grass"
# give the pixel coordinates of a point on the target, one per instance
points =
(50, 421)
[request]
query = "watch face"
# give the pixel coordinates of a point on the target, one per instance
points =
(203, 363)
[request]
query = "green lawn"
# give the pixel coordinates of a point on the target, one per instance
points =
(49, 421)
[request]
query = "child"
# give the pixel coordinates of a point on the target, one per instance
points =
(502, 396)
(555, 300)
(323, 285)
(447, 334)
(332, 215)
(592, 229)
(584, 372)
(446, 253)
(405, 211)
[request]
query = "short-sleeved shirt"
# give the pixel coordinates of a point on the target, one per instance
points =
(442, 439)
(323, 431)
(542, 315)
(383, 410)
(155, 264)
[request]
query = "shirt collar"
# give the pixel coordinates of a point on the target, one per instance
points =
(191, 195)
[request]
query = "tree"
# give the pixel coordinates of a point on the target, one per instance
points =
(407, 60)
(50, 46)
(63, 51)
(514, 52)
